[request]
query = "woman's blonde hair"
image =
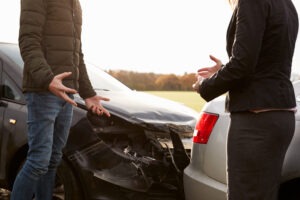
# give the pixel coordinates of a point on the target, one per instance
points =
(233, 3)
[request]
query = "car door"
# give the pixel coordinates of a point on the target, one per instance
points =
(13, 116)
(2, 109)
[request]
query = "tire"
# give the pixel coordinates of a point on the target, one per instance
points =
(66, 184)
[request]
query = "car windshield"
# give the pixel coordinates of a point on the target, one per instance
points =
(103, 81)
(12, 52)
(100, 79)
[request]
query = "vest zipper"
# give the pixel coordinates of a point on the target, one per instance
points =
(75, 80)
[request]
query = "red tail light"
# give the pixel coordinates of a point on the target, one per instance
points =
(204, 127)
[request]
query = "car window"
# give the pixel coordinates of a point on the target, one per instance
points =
(10, 90)
(100, 79)
(103, 81)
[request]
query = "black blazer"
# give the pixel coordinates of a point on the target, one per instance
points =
(260, 44)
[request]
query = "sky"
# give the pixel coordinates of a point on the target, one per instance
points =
(160, 36)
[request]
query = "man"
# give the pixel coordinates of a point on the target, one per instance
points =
(54, 70)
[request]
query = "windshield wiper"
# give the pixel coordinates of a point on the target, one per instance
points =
(101, 89)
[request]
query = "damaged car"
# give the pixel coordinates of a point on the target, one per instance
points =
(137, 153)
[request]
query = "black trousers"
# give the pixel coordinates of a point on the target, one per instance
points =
(256, 147)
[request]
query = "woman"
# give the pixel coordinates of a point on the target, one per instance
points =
(260, 43)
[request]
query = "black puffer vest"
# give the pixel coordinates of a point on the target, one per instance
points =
(50, 44)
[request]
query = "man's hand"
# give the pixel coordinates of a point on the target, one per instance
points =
(58, 89)
(94, 104)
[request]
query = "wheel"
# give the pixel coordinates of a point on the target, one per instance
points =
(66, 184)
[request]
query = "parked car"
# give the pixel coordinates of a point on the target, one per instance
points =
(138, 153)
(205, 176)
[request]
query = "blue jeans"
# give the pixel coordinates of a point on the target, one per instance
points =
(49, 121)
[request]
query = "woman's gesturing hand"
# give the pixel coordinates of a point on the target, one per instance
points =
(207, 72)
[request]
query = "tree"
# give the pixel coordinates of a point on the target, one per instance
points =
(168, 82)
(187, 80)
(151, 81)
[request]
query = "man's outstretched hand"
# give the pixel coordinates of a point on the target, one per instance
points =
(57, 88)
(94, 104)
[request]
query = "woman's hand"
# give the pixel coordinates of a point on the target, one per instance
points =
(197, 84)
(207, 72)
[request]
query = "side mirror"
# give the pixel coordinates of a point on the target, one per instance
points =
(6, 92)
(2, 104)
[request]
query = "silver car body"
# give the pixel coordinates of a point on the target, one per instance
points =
(205, 176)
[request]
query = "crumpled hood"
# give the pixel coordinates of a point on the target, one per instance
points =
(140, 107)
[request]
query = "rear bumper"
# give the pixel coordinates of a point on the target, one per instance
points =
(199, 186)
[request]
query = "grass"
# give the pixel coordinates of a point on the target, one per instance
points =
(188, 98)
